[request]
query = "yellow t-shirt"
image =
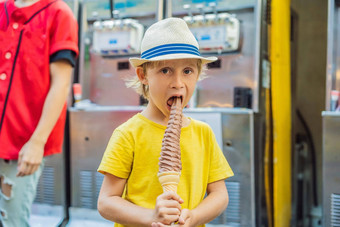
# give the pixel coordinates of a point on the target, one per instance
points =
(133, 152)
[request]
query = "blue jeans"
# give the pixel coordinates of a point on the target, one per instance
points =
(17, 194)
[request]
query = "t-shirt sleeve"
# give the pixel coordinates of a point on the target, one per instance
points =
(67, 55)
(64, 31)
(219, 166)
(118, 156)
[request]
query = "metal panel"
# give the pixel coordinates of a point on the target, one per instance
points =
(238, 147)
(236, 70)
(331, 168)
(238, 144)
(90, 131)
(335, 209)
(333, 51)
(50, 198)
(50, 187)
(107, 81)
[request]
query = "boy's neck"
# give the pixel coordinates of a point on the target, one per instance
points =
(154, 116)
(24, 3)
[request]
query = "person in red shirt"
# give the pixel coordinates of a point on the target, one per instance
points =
(38, 48)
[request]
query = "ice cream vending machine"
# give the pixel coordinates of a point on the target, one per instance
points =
(228, 99)
(112, 33)
(112, 42)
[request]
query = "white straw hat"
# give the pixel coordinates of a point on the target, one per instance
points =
(169, 39)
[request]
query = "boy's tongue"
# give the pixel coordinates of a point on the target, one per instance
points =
(172, 101)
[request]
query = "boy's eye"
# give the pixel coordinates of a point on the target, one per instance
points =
(187, 71)
(165, 71)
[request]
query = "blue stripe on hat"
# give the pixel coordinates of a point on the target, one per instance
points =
(174, 48)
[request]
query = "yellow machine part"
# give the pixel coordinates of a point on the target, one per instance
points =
(281, 110)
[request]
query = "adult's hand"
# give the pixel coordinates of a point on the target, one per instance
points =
(30, 157)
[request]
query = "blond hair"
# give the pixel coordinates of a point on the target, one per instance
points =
(143, 89)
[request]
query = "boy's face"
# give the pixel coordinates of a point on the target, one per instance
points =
(171, 78)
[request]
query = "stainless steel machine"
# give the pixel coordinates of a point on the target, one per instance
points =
(331, 169)
(231, 91)
(234, 130)
(331, 122)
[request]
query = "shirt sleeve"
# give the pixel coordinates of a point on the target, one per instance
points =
(64, 30)
(118, 156)
(67, 55)
(219, 166)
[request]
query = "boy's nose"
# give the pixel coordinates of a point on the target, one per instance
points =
(177, 81)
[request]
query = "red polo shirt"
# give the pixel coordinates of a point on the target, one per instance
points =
(28, 37)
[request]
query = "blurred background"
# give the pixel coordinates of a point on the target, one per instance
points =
(272, 99)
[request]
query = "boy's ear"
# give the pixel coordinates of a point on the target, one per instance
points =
(141, 75)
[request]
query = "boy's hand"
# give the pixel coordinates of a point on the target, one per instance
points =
(185, 217)
(167, 210)
(184, 220)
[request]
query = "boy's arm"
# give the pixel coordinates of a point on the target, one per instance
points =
(32, 152)
(213, 205)
(114, 208)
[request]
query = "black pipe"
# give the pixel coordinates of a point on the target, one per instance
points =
(313, 156)
(111, 8)
(67, 172)
(80, 31)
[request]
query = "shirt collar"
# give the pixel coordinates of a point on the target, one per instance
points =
(24, 13)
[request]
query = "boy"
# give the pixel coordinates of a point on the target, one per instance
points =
(38, 47)
(131, 194)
